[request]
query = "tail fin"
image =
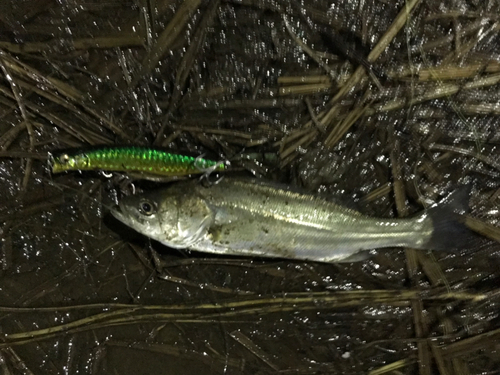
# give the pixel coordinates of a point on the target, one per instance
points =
(450, 232)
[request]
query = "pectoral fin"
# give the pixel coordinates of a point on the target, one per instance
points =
(194, 220)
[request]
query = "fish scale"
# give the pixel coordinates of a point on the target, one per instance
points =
(255, 218)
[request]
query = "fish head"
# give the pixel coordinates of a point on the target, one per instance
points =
(172, 216)
(64, 161)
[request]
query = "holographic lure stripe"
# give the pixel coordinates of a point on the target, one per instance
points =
(132, 159)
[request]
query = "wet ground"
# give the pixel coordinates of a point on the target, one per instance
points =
(385, 105)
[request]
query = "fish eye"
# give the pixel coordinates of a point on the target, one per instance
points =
(146, 208)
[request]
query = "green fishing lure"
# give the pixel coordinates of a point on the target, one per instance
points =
(132, 159)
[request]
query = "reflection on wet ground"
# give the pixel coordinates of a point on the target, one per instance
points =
(386, 106)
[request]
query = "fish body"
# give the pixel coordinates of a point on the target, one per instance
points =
(151, 161)
(251, 218)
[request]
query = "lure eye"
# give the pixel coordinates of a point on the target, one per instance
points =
(64, 158)
(147, 208)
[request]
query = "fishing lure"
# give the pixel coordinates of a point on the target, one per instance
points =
(132, 159)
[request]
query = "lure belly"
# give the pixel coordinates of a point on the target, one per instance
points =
(134, 159)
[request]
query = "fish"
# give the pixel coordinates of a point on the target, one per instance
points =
(248, 217)
(132, 159)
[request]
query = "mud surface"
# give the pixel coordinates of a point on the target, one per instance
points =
(387, 106)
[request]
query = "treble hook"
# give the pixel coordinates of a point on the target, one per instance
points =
(208, 171)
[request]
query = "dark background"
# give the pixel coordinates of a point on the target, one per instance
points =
(388, 133)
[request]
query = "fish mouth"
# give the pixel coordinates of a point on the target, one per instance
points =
(117, 212)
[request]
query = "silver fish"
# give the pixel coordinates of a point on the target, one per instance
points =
(252, 218)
